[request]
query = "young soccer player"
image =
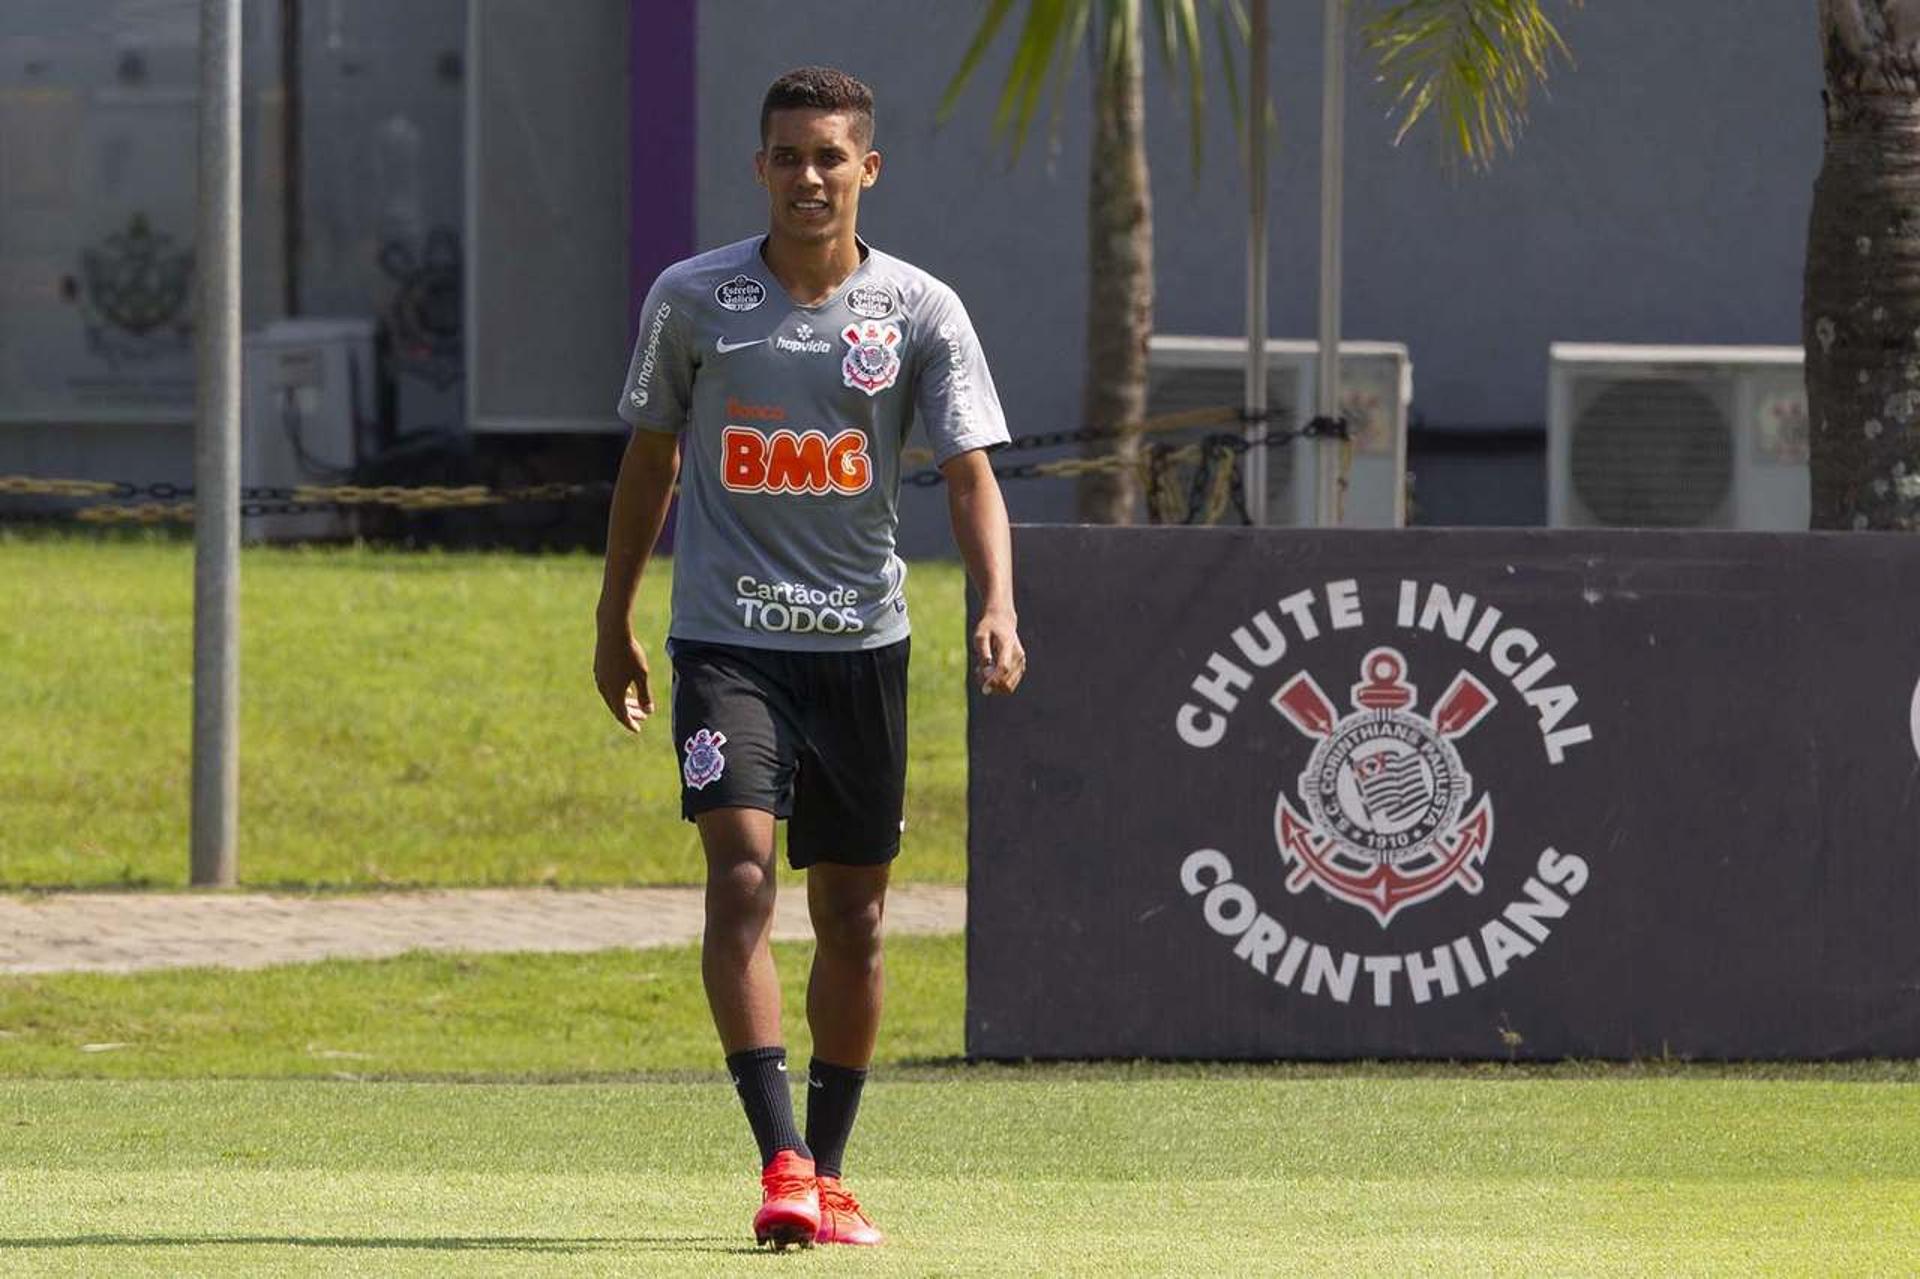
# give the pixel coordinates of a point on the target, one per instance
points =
(777, 378)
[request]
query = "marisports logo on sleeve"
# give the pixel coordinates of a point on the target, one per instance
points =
(873, 360)
(794, 462)
(649, 358)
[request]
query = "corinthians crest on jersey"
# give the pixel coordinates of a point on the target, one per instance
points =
(1384, 791)
(872, 362)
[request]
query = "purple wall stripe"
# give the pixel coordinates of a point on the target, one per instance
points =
(662, 148)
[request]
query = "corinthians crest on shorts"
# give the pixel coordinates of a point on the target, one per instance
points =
(704, 763)
(1385, 793)
(873, 357)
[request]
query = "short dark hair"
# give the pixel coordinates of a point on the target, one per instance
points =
(822, 89)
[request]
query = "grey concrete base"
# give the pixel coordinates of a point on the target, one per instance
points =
(126, 932)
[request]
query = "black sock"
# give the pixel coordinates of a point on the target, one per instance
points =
(833, 1099)
(760, 1077)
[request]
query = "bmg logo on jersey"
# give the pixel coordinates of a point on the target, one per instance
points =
(794, 462)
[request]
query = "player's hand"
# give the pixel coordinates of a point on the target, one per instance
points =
(620, 673)
(1000, 661)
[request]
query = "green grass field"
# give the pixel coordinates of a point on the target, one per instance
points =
(562, 1115)
(981, 1172)
(429, 719)
(422, 1016)
(407, 718)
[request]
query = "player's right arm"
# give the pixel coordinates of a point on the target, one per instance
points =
(640, 499)
(655, 400)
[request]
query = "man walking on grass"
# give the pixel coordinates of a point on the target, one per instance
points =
(777, 378)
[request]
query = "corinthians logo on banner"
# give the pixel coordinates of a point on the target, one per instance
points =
(1380, 813)
(1385, 789)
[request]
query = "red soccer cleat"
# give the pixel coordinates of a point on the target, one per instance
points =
(790, 1205)
(841, 1218)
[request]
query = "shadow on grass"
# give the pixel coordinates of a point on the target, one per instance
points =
(960, 1070)
(957, 1069)
(724, 1244)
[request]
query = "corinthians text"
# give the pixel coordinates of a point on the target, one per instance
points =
(1313, 969)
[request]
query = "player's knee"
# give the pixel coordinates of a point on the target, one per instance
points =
(740, 894)
(851, 930)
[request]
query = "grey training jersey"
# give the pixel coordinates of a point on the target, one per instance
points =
(792, 420)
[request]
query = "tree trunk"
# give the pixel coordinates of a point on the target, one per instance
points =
(1120, 262)
(1861, 315)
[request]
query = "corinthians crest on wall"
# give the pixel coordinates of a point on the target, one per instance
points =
(135, 292)
(424, 316)
(1383, 815)
(1449, 794)
(1385, 790)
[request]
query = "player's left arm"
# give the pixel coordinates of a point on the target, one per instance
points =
(986, 545)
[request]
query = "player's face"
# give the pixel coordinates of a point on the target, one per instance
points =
(814, 167)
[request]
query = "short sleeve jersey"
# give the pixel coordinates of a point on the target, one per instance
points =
(792, 421)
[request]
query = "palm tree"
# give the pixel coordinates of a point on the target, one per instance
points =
(1470, 63)
(1861, 316)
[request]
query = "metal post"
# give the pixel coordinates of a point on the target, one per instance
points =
(1333, 114)
(1256, 384)
(216, 460)
(292, 151)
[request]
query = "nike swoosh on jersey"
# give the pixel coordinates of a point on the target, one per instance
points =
(723, 346)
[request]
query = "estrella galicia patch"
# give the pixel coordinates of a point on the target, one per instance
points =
(871, 301)
(741, 293)
(704, 763)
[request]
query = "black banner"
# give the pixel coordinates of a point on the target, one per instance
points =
(1451, 794)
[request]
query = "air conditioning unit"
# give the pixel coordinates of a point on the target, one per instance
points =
(1677, 437)
(308, 387)
(1376, 387)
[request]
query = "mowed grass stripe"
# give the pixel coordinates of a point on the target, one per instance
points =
(1114, 1169)
(974, 1173)
(443, 1015)
(1084, 1124)
(407, 718)
(317, 1222)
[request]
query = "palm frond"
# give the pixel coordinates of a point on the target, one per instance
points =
(1233, 31)
(1182, 51)
(1472, 64)
(1182, 24)
(1050, 39)
(1040, 42)
(990, 23)
(1076, 37)
(1044, 53)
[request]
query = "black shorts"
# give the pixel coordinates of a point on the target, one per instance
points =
(819, 739)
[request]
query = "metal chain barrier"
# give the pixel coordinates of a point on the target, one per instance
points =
(173, 502)
(1197, 482)
(1174, 496)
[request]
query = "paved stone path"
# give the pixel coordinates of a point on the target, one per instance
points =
(124, 932)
